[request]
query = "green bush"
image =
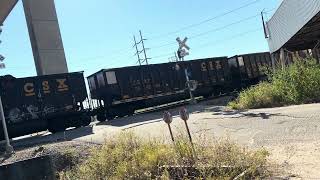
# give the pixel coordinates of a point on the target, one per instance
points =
(128, 157)
(296, 84)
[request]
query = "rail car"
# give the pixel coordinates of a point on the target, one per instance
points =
(50, 102)
(249, 69)
(121, 91)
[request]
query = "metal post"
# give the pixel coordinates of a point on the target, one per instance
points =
(175, 55)
(193, 101)
(184, 115)
(273, 62)
(167, 118)
(171, 134)
(9, 148)
(282, 58)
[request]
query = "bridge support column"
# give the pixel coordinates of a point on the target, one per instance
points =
(45, 37)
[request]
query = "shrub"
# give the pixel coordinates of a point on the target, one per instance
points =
(296, 84)
(128, 157)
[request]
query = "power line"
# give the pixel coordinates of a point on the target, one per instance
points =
(217, 42)
(161, 55)
(212, 30)
(224, 27)
(208, 20)
(124, 51)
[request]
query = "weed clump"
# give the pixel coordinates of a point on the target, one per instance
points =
(298, 83)
(128, 157)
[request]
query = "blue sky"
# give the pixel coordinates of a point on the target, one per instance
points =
(99, 34)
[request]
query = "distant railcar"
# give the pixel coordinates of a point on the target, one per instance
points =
(52, 102)
(249, 69)
(121, 91)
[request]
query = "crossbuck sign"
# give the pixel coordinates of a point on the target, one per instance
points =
(183, 47)
(182, 44)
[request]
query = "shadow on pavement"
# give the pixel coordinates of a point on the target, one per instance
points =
(150, 117)
(156, 115)
(239, 114)
(43, 138)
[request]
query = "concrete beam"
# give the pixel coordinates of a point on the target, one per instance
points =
(5, 8)
(45, 37)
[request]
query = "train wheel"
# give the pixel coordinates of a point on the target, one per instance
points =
(206, 96)
(110, 117)
(86, 120)
(56, 126)
(77, 122)
(131, 111)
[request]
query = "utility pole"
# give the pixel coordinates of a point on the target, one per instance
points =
(138, 52)
(264, 25)
(9, 148)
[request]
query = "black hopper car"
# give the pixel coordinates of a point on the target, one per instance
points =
(56, 102)
(50, 102)
(121, 91)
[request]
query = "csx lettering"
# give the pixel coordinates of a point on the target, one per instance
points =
(29, 89)
(218, 65)
(211, 65)
(45, 87)
(203, 67)
(62, 85)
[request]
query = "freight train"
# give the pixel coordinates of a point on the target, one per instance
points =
(56, 102)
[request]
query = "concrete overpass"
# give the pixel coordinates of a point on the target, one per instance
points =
(5, 8)
(44, 33)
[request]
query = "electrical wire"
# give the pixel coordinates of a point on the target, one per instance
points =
(217, 42)
(207, 20)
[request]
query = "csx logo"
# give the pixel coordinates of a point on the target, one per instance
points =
(29, 88)
(210, 66)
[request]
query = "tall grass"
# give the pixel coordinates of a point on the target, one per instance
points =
(296, 84)
(128, 157)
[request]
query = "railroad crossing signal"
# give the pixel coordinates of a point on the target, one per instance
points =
(183, 47)
(182, 53)
(182, 44)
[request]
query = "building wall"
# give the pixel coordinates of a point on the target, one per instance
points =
(289, 18)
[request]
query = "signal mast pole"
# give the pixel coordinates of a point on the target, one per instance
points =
(182, 52)
(9, 148)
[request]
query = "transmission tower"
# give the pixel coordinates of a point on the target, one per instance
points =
(140, 45)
